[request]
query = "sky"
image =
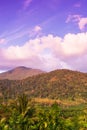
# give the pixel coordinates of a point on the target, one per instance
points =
(43, 34)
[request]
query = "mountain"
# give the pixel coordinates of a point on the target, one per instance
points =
(57, 85)
(20, 73)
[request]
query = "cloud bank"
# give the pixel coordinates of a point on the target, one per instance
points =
(48, 53)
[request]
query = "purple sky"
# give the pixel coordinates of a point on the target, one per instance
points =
(43, 34)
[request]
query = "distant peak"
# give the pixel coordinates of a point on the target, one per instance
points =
(20, 72)
(22, 67)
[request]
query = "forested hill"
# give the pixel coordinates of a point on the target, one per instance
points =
(58, 84)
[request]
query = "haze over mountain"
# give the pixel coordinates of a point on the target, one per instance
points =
(19, 73)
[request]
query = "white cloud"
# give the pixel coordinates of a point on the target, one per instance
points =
(81, 21)
(49, 52)
(37, 28)
(75, 44)
(36, 31)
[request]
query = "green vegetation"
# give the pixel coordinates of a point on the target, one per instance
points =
(25, 114)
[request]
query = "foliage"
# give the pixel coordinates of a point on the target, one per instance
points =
(23, 114)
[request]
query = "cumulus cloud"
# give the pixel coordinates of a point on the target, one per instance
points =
(81, 21)
(49, 53)
(75, 44)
